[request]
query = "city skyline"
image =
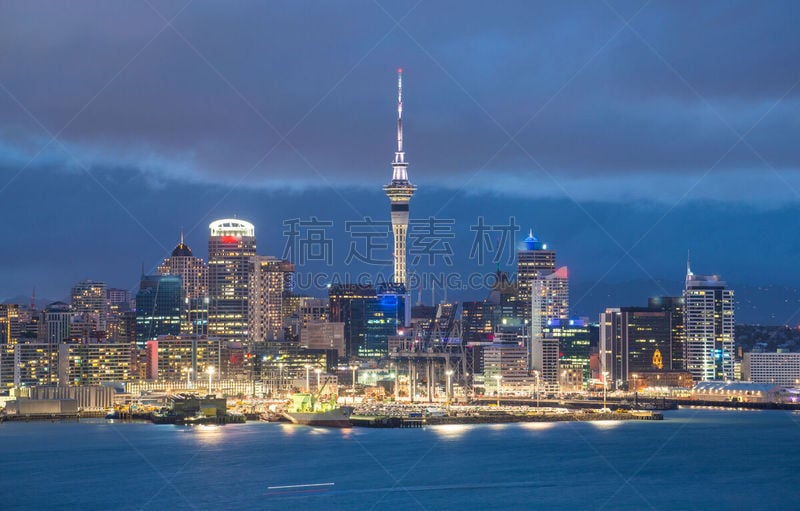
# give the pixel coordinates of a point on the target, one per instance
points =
(533, 126)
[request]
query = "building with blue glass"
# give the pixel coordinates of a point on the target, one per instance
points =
(158, 307)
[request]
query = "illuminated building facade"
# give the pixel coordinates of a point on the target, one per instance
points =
(94, 363)
(182, 359)
(634, 340)
(90, 297)
(194, 275)
(10, 330)
(674, 307)
(505, 365)
(56, 319)
(574, 348)
(533, 262)
(775, 368)
(708, 327)
(268, 279)
(323, 335)
(35, 364)
(549, 301)
(158, 307)
(370, 316)
(231, 245)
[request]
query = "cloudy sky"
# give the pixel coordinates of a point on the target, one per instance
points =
(623, 133)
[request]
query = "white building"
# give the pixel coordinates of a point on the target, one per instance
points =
(267, 282)
(709, 328)
(775, 368)
(90, 297)
(505, 366)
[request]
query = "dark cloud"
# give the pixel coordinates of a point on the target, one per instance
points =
(211, 103)
(160, 129)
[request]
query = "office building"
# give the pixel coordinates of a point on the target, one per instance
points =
(94, 363)
(90, 297)
(774, 368)
(574, 349)
(35, 364)
(231, 245)
(323, 335)
(183, 359)
(505, 366)
(194, 275)
(158, 307)
(268, 278)
(370, 316)
(534, 261)
(673, 306)
(708, 327)
(56, 323)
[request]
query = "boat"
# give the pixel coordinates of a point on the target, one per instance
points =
(306, 409)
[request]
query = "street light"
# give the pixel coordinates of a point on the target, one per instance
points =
(307, 366)
(635, 392)
(353, 368)
(605, 386)
(189, 378)
(498, 378)
(449, 373)
(536, 375)
(396, 380)
(318, 371)
(210, 372)
(280, 377)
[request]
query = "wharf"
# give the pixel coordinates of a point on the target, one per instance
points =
(378, 421)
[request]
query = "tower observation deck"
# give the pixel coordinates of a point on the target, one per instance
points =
(400, 191)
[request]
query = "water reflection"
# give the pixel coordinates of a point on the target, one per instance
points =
(450, 430)
(209, 434)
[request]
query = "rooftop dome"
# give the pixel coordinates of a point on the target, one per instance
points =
(533, 243)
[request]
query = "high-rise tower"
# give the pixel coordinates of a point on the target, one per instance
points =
(399, 191)
(533, 262)
(709, 327)
(231, 244)
(194, 274)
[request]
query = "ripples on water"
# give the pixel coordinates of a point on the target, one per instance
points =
(695, 459)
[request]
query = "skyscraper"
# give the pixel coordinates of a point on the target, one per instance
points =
(635, 340)
(57, 318)
(708, 327)
(158, 307)
(399, 191)
(90, 297)
(370, 316)
(231, 244)
(194, 275)
(533, 262)
(268, 278)
(549, 301)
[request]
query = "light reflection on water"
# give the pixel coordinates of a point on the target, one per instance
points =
(99, 465)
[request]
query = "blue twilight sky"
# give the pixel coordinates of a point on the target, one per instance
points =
(624, 133)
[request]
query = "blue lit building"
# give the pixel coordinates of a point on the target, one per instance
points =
(158, 307)
(370, 316)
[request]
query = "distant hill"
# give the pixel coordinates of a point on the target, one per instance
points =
(40, 302)
(756, 305)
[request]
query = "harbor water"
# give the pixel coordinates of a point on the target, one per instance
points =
(694, 459)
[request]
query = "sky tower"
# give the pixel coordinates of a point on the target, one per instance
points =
(399, 191)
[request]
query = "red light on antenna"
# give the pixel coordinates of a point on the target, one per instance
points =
(399, 69)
